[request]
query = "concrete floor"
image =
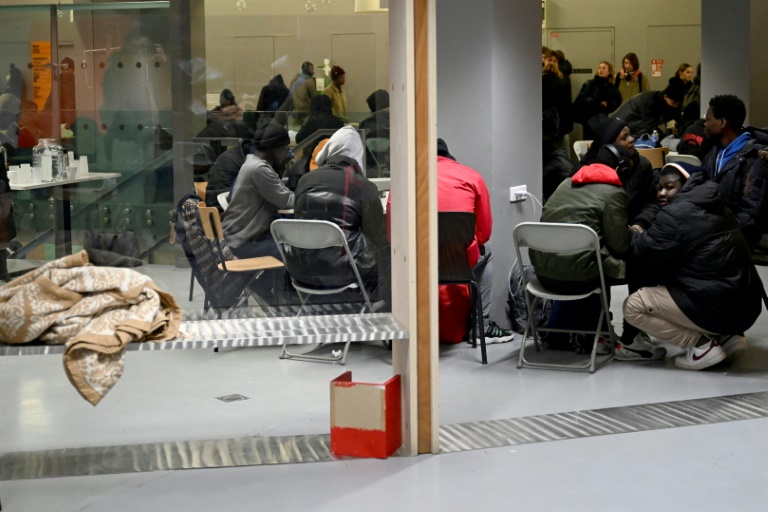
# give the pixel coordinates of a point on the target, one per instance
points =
(171, 396)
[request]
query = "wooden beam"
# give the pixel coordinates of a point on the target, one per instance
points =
(423, 275)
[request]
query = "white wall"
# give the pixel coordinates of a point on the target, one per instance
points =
(633, 23)
(292, 36)
(489, 108)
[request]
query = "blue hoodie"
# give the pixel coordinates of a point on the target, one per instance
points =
(731, 149)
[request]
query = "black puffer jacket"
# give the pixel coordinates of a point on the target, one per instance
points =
(589, 101)
(338, 192)
(321, 118)
(702, 258)
(744, 181)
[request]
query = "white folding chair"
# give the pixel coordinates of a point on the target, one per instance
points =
(677, 157)
(315, 234)
(580, 147)
(561, 239)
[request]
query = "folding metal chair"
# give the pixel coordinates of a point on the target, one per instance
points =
(580, 147)
(455, 233)
(677, 157)
(561, 239)
(315, 234)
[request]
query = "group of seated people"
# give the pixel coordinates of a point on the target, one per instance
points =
(685, 254)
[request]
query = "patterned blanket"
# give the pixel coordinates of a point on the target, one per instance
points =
(95, 311)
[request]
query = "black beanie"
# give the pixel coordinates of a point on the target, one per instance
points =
(676, 89)
(606, 129)
(442, 149)
(274, 135)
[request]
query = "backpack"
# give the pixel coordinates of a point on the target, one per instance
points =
(221, 288)
(516, 307)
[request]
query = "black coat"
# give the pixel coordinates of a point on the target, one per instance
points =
(224, 171)
(593, 92)
(338, 192)
(556, 92)
(700, 255)
(318, 121)
(744, 181)
(645, 112)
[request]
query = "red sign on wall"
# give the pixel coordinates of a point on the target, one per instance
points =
(656, 68)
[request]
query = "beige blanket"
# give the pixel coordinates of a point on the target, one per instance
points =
(95, 311)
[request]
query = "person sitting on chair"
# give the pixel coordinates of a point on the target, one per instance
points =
(338, 192)
(257, 194)
(595, 197)
(708, 288)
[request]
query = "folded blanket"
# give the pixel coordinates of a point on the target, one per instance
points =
(95, 311)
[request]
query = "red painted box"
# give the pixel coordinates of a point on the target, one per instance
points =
(366, 418)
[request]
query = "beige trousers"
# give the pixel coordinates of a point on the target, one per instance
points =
(652, 310)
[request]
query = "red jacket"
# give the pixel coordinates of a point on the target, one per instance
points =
(462, 189)
(459, 189)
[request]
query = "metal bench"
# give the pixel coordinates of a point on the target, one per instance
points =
(257, 332)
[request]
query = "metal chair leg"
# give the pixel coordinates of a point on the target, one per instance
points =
(191, 286)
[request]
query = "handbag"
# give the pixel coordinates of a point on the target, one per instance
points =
(124, 244)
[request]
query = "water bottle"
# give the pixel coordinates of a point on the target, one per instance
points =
(655, 138)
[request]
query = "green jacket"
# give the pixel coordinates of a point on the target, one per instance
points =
(592, 197)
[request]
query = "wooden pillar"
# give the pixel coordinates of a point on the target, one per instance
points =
(414, 216)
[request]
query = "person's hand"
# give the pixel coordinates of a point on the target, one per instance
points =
(637, 228)
(604, 103)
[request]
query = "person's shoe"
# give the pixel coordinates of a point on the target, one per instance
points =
(703, 356)
(495, 334)
(734, 345)
(641, 349)
(603, 347)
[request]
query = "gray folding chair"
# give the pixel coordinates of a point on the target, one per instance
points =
(561, 239)
(677, 157)
(315, 234)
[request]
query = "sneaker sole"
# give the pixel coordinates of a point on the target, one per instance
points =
(501, 339)
(711, 361)
(737, 349)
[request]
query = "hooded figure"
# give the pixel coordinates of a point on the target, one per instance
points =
(338, 192)
(273, 95)
(320, 118)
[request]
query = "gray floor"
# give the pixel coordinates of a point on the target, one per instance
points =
(171, 396)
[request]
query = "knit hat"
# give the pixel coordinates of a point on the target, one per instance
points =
(442, 149)
(336, 72)
(684, 168)
(676, 89)
(379, 99)
(274, 135)
(606, 129)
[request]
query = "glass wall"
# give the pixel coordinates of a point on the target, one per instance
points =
(143, 103)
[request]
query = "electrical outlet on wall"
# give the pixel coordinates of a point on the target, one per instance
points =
(518, 193)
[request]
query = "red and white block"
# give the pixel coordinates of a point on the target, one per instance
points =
(366, 418)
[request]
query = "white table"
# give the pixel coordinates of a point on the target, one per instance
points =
(62, 194)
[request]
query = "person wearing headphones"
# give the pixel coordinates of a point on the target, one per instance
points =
(595, 196)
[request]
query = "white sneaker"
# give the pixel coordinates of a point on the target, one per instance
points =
(641, 349)
(734, 345)
(701, 357)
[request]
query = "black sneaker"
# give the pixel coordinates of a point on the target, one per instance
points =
(495, 334)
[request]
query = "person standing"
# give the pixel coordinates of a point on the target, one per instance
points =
(303, 89)
(630, 80)
(556, 92)
(336, 93)
(597, 96)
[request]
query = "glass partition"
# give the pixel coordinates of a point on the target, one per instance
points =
(151, 102)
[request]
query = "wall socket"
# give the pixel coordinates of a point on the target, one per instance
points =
(518, 193)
